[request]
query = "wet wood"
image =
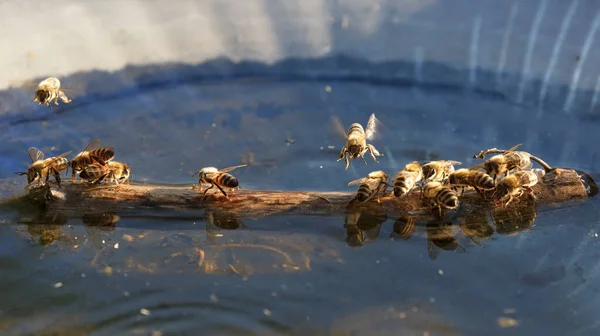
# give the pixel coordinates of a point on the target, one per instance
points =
(79, 199)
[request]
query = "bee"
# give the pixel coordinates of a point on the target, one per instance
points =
(438, 171)
(371, 185)
(356, 140)
(440, 195)
(49, 90)
(98, 170)
(41, 167)
(83, 159)
(217, 177)
(515, 185)
(470, 178)
(408, 178)
(508, 161)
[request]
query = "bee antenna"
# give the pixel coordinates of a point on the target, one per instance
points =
(20, 173)
(195, 174)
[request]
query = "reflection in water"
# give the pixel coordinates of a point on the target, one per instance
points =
(220, 219)
(476, 225)
(511, 221)
(362, 226)
(441, 235)
(45, 227)
(99, 225)
(404, 227)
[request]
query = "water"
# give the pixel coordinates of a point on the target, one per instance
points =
(170, 273)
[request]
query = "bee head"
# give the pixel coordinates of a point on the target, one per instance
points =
(491, 166)
(42, 96)
(428, 172)
(355, 150)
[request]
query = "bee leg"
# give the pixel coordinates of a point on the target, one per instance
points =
(347, 162)
(374, 152)
(342, 153)
(223, 191)
(510, 198)
(100, 179)
(56, 174)
(205, 191)
(362, 156)
(63, 97)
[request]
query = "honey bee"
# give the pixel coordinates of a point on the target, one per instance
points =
(515, 185)
(438, 171)
(217, 177)
(98, 170)
(371, 185)
(508, 161)
(49, 90)
(408, 178)
(83, 159)
(470, 178)
(356, 140)
(440, 195)
(41, 167)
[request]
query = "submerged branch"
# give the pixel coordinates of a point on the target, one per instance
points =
(79, 199)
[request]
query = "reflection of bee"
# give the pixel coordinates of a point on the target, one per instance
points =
(407, 178)
(514, 185)
(438, 171)
(98, 170)
(371, 185)
(49, 90)
(356, 140)
(508, 161)
(470, 178)
(216, 177)
(440, 195)
(83, 159)
(41, 168)
(404, 227)
(105, 221)
(442, 236)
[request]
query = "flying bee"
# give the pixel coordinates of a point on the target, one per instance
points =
(371, 185)
(83, 159)
(440, 195)
(470, 178)
(515, 185)
(407, 178)
(438, 171)
(49, 90)
(508, 161)
(99, 170)
(356, 139)
(217, 177)
(41, 167)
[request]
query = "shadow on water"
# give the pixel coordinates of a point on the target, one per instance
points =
(525, 269)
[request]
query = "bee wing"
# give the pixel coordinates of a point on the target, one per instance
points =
(24, 84)
(35, 154)
(360, 180)
(452, 163)
(97, 161)
(228, 169)
(338, 127)
(372, 126)
(478, 167)
(91, 145)
(65, 154)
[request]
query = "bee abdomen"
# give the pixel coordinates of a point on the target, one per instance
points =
(448, 198)
(363, 193)
(227, 180)
(106, 154)
(62, 164)
(400, 187)
(483, 180)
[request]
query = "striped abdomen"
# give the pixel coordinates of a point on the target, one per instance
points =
(364, 192)
(93, 171)
(404, 227)
(104, 153)
(447, 198)
(404, 184)
(61, 164)
(474, 178)
(226, 180)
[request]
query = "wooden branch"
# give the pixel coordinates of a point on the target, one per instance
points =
(81, 198)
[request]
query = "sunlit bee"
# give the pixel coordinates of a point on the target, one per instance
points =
(376, 182)
(515, 185)
(219, 178)
(438, 171)
(83, 159)
(508, 161)
(441, 196)
(42, 167)
(464, 177)
(112, 171)
(407, 178)
(356, 140)
(49, 90)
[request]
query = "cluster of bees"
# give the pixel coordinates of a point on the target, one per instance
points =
(94, 164)
(438, 181)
